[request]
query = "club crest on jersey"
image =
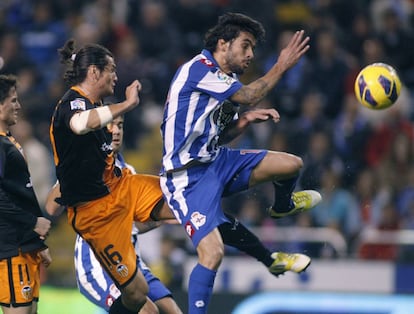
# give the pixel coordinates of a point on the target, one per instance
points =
(224, 77)
(197, 219)
(78, 104)
(27, 293)
(122, 270)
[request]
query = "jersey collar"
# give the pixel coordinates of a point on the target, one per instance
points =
(209, 56)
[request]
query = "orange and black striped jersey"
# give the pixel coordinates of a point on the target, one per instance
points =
(84, 163)
(19, 207)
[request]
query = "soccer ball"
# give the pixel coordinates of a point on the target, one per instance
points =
(377, 86)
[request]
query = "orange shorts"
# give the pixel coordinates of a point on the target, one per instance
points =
(106, 223)
(20, 279)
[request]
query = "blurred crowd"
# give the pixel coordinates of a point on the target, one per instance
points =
(362, 161)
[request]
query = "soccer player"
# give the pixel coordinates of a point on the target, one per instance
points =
(201, 114)
(97, 286)
(102, 200)
(23, 228)
(93, 282)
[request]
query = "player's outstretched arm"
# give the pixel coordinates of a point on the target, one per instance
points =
(252, 93)
(85, 121)
(248, 117)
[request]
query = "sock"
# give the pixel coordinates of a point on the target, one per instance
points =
(283, 195)
(235, 234)
(200, 289)
(119, 308)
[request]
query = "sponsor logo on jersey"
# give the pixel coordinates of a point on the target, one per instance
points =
(198, 219)
(189, 229)
(207, 62)
(122, 270)
(109, 300)
(78, 104)
(27, 293)
(105, 147)
(199, 303)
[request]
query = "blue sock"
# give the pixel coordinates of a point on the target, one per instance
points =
(200, 289)
(283, 194)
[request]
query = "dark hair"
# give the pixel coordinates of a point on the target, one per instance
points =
(6, 84)
(77, 63)
(229, 27)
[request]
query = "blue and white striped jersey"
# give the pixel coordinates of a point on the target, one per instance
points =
(194, 115)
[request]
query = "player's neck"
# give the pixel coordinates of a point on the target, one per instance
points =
(87, 90)
(4, 127)
(222, 63)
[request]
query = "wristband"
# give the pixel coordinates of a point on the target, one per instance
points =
(105, 115)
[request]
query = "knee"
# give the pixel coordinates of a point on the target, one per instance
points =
(299, 162)
(135, 295)
(135, 299)
(211, 257)
(296, 163)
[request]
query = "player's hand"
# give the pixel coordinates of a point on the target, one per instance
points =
(42, 227)
(46, 259)
(261, 115)
(295, 49)
(132, 93)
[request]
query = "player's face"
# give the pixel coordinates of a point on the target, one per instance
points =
(107, 79)
(9, 108)
(240, 52)
(117, 130)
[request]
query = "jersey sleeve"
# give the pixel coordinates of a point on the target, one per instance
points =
(70, 107)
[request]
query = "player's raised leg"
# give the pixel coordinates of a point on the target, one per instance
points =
(235, 234)
(282, 169)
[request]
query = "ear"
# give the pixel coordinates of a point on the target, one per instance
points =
(222, 45)
(93, 72)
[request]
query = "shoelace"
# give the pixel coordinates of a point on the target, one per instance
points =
(289, 256)
(300, 198)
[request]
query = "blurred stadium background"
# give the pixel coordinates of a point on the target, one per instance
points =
(361, 237)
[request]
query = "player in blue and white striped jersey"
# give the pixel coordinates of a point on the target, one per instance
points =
(201, 114)
(98, 287)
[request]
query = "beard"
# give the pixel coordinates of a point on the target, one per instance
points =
(233, 66)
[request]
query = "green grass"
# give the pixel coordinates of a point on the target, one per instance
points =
(64, 301)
